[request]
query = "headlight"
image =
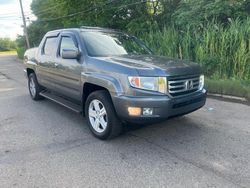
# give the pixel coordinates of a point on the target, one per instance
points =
(149, 83)
(201, 83)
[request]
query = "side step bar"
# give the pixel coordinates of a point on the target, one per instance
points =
(72, 106)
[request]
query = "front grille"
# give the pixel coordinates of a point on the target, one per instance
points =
(183, 86)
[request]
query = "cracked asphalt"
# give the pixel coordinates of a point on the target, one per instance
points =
(43, 144)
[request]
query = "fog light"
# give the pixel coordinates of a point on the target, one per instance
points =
(134, 111)
(147, 111)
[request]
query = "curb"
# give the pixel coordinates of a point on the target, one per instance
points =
(229, 98)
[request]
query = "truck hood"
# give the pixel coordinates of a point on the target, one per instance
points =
(149, 65)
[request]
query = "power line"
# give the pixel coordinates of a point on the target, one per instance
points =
(9, 19)
(41, 12)
(130, 4)
(93, 8)
(17, 16)
(77, 13)
(10, 13)
(73, 14)
(124, 6)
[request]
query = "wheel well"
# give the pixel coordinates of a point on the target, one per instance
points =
(89, 88)
(29, 71)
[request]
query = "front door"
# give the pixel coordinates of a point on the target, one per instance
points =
(68, 71)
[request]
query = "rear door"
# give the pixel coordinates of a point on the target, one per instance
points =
(46, 64)
(68, 71)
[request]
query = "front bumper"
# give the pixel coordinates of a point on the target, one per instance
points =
(164, 107)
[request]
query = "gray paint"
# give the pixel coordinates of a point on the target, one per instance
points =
(68, 76)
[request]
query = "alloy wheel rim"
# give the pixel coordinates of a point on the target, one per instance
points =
(98, 116)
(32, 87)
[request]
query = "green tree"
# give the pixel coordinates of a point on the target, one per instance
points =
(198, 13)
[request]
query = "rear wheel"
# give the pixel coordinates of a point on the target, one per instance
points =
(34, 87)
(101, 116)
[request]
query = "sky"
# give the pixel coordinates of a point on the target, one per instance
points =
(11, 17)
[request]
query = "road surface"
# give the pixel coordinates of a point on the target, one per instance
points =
(43, 144)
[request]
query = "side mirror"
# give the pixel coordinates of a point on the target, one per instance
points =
(70, 53)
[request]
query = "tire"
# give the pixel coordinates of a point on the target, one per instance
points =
(101, 116)
(34, 87)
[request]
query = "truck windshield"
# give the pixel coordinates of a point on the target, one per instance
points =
(108, 44)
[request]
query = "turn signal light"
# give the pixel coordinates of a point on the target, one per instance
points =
(134, 111)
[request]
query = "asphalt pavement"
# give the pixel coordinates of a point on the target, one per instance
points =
(43, 144)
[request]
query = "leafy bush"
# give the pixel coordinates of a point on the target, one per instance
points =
(21, 47)
(20, 52)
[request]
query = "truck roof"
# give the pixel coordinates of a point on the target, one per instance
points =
(82, 28)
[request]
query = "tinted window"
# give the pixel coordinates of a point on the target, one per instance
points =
(105, 44)
(67, 43)
(50, 45)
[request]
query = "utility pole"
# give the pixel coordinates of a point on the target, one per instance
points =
(24, 25)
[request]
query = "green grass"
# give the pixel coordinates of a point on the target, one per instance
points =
(11, 52)
(221, 51)
(229, 87)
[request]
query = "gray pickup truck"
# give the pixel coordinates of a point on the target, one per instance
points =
(111, 78)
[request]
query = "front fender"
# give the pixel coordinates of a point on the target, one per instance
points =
(30, 64)
(109, 82)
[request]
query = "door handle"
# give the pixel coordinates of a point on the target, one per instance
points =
(56, 64)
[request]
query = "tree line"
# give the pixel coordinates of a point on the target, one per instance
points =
(7, 44)
(214, 33)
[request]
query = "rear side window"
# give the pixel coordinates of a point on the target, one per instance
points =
(50, 46)
(67, 43)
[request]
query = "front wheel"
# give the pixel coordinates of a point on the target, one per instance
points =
(34, 87)
(101, 116)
